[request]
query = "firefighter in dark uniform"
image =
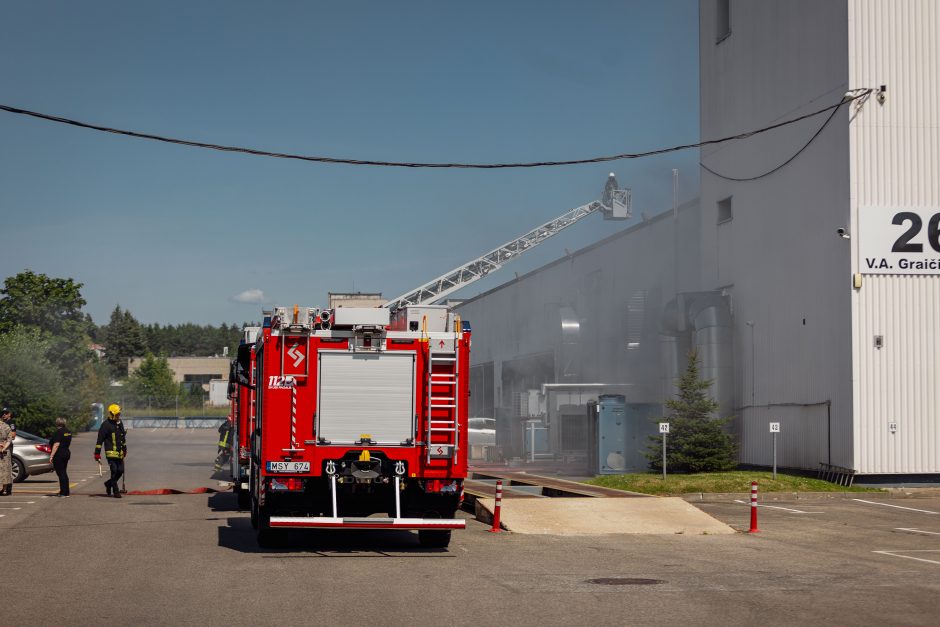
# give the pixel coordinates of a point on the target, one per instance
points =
(111, 435)
(225, 444)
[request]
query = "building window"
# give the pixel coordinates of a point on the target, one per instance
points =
(722, 20)
(200, 379)
(725, 213)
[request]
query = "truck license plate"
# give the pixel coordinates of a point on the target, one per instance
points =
(288, 466)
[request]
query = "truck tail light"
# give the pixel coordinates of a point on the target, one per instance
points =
(286, 484)
(444, 486)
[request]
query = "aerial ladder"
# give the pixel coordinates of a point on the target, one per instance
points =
(614, 204)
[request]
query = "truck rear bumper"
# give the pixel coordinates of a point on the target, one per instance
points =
(323, 522)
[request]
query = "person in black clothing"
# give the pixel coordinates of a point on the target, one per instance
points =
(60, 442)
(111, 435)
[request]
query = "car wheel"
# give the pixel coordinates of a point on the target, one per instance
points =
(19, 470)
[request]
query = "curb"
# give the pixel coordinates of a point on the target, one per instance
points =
(886, 494)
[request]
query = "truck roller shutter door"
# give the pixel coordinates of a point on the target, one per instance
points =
(366, 393)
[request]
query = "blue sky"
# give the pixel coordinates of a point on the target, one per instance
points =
(175, 233)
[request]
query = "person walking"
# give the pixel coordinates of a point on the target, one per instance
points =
(6, 455)
(111, 435)
(60, 455)
(6, 415)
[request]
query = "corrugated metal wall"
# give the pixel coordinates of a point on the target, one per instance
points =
(899, 383)
(803, 441)
(778, 256)
(895, 161)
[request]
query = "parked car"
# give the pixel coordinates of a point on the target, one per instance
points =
(482, 431)
(30, 456)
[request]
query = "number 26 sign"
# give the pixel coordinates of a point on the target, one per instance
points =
(899, 240)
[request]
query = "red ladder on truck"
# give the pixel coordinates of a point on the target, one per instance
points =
(443, 433)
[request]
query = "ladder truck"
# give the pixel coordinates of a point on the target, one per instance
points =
(360, 421)
(360, 414)
(241, 393)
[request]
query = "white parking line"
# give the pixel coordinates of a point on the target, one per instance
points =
(11, 508)
(795, 511)
(923, 511)
(909, 557)
(912, 530)
(18, 502)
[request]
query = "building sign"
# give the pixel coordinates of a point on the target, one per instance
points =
(899, 240)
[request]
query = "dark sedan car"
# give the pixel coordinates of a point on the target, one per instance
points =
(30, 456)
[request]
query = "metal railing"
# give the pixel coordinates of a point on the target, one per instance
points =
(838, 475)
(173, 422)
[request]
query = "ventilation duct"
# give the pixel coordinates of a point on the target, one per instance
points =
(570, 344)
(699, 320)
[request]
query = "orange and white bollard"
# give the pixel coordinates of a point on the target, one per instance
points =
(497, 507)
(753, 528)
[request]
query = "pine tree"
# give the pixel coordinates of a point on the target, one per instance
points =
(123, 338)
(697, 441)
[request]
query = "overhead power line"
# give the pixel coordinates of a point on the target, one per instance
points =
(407, 164)
(863, 94)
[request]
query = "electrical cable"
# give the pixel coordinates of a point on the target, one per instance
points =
(845, 100)
(404, 164)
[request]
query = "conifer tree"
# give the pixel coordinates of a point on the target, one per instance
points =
(697, 441)
(123, 338)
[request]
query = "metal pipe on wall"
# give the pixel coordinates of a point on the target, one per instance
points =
(701, 320)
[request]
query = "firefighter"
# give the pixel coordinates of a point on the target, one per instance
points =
(225, 443)
(112, 435)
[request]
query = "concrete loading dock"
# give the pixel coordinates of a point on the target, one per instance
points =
(546, 505)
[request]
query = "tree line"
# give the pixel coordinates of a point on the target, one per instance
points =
(124, 337)
(48, 368)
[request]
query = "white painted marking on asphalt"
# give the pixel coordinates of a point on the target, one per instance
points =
(910, 557)
(923, 511)
(18, 502)
(912, 530)
(795, 511)
(11, 508)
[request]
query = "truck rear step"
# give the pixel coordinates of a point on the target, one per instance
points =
(325, 522)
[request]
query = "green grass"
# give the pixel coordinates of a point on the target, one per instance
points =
(732, 481)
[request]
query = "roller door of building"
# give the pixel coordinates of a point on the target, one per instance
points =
(366, 394)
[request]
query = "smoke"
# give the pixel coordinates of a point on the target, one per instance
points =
(250, 296)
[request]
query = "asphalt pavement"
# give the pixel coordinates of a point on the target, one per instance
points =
(192, 559)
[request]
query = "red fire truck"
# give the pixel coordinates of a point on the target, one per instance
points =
(242, 410)
(360, 420)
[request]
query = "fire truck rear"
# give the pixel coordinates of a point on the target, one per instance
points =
(360, 421)
(242, 399)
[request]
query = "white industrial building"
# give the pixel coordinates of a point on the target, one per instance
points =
(811, 290)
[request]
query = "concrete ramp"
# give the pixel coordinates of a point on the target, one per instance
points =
(599, 516)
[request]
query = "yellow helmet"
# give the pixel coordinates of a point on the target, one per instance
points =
(114, 409)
